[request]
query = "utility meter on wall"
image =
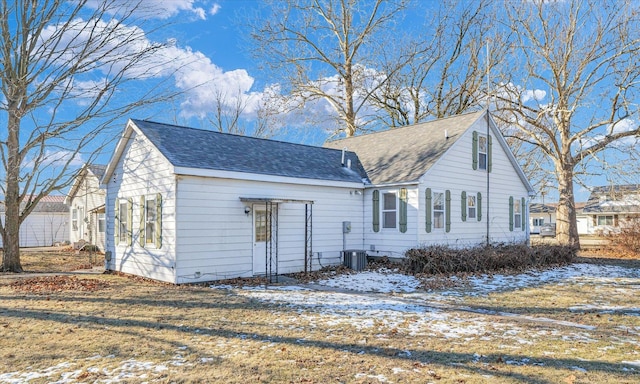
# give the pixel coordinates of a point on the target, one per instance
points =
(346, 227)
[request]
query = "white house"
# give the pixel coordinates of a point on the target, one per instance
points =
(187, 205)
(193, 205)
(45, 225)
(540, 214)
(86, 200)
(609, 208)
(451, 181)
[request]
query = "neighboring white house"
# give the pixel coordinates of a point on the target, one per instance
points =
(187, 205)
(609, 208)
(540, 214)
(46, 225)
(86, 200)
(452, 181)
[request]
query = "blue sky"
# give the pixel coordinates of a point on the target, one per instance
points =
(210, 56)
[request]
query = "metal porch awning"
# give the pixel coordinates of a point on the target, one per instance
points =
(273, 200)
(271, 232)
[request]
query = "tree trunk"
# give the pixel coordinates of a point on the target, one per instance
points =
(11, 245)
(350, 116)
(11, 235)
(566, 225)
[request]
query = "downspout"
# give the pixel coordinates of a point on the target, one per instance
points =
(363, 212)
(175, 227)
(490, 148)
(488, 184)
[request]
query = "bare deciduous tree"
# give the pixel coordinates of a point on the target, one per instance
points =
(324, 49)
(65, 65)
(446, 73)
(574, 94)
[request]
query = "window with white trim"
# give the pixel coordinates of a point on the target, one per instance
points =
(150, 219)
(101, 222)
(538, 222)
(517, 213)
(483, 148)
(471, 206)
(605, 220)
(123, 220)
(389, 210)
(74, 219)
(438, 210)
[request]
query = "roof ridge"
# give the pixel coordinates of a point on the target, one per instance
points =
(439, 119)
(237, 135)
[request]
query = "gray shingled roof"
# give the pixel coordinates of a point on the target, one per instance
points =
(49, 204)
(615, 198)
(98, 170)
(406, 153)
(202, 149)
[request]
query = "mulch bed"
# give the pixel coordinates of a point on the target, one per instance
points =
(51, 284)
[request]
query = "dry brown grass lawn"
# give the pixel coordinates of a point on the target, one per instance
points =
(134, 330)
(57, 259)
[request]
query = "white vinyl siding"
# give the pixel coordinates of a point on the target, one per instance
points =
(43, 229)
(141, 172)
(452, 172)
(215, 235)
(87, 202)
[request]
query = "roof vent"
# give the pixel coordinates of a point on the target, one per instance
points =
(446, 135)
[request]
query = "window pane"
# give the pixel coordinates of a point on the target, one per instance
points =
(151, 210)
(124, 215)
(482, 160)
(438, 201)
(482, 144)
(471, 205)
(100, 222)
(605, 220)
(261, 230)
(389, 201)
(438, 219)
(517, 220)
(389, 219)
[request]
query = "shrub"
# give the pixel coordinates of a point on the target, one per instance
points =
(627, 240)
(440, 259)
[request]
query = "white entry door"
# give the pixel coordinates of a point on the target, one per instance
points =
(260, 236)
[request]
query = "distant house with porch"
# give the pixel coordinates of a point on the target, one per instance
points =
(46, 225)
(187, 205)
(609, 208)
(86, 201)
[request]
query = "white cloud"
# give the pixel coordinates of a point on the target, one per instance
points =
(625, 125)
(152, 9)
(215, 9)
(533, 94)
(54, 158)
